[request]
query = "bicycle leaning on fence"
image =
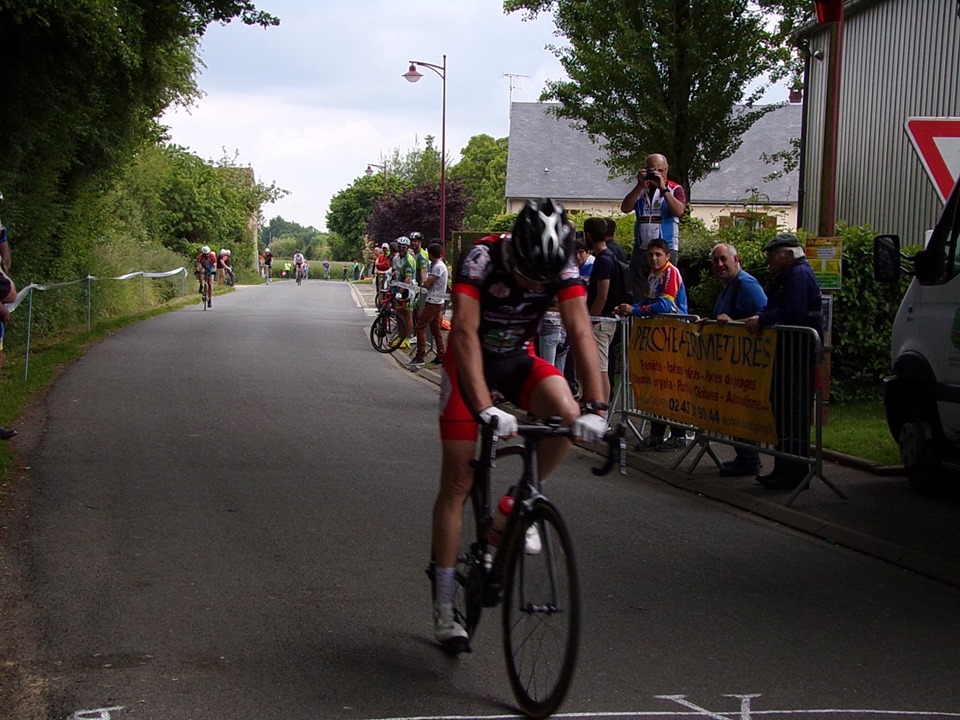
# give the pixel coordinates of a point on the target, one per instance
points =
(539, 591)
(389, 329)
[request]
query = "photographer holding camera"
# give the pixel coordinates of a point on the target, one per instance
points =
(659, 204)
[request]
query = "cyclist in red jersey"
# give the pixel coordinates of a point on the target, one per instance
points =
(501, 290)
(206, 269)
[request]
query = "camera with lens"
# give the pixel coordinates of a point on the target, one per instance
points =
(651, 174)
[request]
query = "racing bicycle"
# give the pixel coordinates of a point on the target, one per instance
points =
(205, 290)
(299, 274)
(389, 329)
(539, 592)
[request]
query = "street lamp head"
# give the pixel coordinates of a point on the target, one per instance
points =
(412, 75)
(369, 171)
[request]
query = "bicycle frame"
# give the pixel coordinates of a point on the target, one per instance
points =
(526, 492)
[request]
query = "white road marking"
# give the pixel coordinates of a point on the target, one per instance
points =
(746, 712)
(98, 714)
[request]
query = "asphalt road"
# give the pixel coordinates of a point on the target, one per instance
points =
(226, 516)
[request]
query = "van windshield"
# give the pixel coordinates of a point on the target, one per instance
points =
(945, 260)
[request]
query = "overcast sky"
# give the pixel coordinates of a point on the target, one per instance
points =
(310, 103)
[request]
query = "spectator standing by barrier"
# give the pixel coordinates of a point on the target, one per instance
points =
(659, 204)
(584, 257)
(666, 295)
(8, 293)
(620, 254)
(740, 298)
(432, 313)
(552, 339)
(793, 298)
(604, 292)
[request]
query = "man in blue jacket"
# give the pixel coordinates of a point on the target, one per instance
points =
(793, 298)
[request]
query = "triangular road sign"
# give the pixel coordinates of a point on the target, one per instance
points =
(937, 142)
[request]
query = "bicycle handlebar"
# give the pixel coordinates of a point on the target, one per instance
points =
(614, 438)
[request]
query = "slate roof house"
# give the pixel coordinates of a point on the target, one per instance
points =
(549, 158)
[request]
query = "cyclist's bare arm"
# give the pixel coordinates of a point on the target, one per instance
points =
(465, 340)
(576, 320)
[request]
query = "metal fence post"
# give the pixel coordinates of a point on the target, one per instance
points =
(26, 357)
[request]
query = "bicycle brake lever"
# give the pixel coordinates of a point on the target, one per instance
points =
(614, 439)
(494, 442)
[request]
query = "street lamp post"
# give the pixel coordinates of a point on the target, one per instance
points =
(369, 171)
(412, 75)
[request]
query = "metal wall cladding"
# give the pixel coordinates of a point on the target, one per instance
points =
(900, 59)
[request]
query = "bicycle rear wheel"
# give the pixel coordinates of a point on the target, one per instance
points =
(541, 613)
(387, 331)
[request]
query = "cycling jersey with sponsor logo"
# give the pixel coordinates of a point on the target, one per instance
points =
(510, 315)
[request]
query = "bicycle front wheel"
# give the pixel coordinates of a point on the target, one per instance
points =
(541, 612)
(388, 331)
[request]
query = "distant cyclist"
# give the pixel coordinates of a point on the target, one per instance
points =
(206, 269)
(298, 261)
(266, 262)
(501, 290)
(404, 271)
(228, 273)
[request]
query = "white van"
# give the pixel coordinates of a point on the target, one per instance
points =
(922, 396)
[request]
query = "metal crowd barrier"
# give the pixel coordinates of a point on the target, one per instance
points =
(792, 389)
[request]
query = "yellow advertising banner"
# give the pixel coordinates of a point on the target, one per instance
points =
(717, 378)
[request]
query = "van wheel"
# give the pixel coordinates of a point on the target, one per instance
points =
(920, 457)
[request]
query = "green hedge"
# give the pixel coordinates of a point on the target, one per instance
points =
(863, 308)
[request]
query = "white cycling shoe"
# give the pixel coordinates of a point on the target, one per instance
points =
(448, 632)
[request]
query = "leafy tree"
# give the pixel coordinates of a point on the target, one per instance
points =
(349, 211)
(85, 82)
(417, 166)
(667, 76)
(417, 209)
(280, 232)
(483, 172)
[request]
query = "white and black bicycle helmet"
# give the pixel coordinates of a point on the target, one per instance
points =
(415, 236)
(205, 249)
(403, 241)
(542, 241)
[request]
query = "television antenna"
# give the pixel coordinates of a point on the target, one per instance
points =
(515, 84)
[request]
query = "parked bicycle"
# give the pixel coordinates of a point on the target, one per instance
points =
(539, 591)
(389, 329)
